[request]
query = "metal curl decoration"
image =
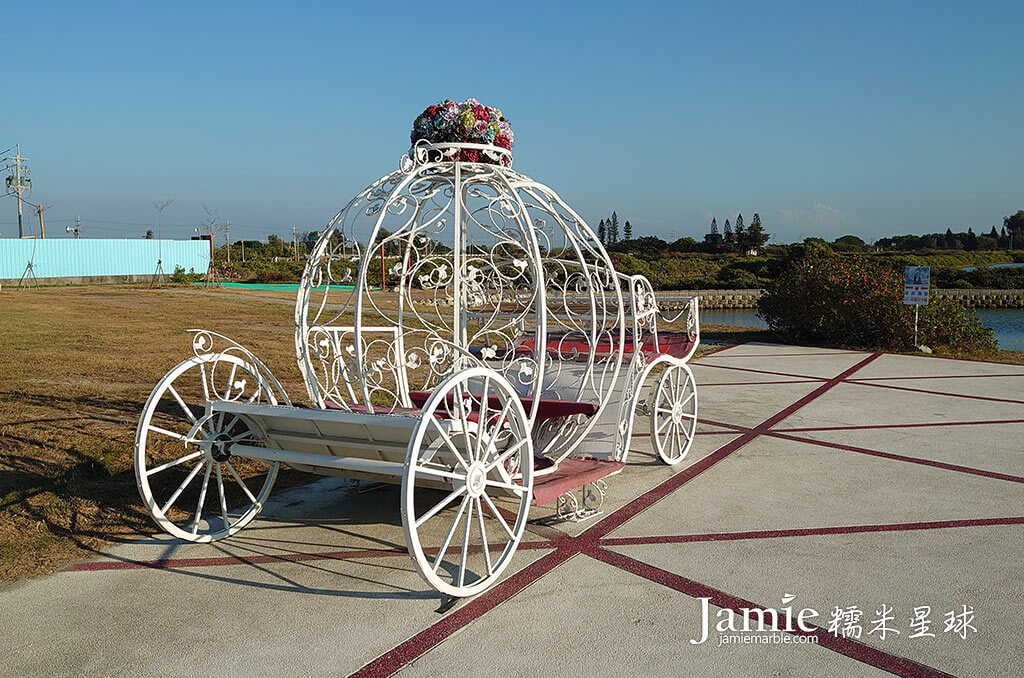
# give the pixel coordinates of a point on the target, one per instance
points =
(486, 267)
(235, 389)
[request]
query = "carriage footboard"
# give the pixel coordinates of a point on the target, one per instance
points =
(586, 475)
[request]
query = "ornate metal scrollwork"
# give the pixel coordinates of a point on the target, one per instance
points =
(222, 380)
(587, 506)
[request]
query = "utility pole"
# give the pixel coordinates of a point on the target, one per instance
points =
(18, 182)
(295, 244)
(39, 210)
(76, 229)
(227, 238)
(159, 274)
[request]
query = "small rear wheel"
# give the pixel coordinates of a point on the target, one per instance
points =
(674, 414)
(473, 444)
(194, 489)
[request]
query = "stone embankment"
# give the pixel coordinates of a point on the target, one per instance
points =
(980, 298)
(975, 298)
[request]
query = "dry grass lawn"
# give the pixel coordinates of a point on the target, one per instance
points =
(76, 366)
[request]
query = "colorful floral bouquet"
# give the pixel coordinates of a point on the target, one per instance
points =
(469, 122)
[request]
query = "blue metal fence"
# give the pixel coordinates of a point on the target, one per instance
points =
(73, 258)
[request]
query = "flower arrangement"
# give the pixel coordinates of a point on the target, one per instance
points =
(469, 122)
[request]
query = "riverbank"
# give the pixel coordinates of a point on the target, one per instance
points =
(747, 298)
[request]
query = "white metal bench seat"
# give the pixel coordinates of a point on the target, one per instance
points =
(374, 446)
(359, 444)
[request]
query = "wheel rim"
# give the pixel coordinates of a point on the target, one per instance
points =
(193, 488)
(481, 463)
(674, 417)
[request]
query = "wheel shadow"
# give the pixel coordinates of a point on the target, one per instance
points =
(346, 547)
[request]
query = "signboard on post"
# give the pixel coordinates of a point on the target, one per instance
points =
(915, 285)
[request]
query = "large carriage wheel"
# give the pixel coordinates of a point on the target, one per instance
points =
(474, 439)
(192, 486)
(674, 415)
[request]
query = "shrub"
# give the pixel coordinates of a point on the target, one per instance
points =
(947, 325)
(858, 303)
(179, 277)
(838, 301)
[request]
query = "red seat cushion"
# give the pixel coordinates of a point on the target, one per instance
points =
(572, 474)
(549, 408)
(669, 343)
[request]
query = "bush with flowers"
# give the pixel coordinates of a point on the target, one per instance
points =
(467, 122)
(856, 303)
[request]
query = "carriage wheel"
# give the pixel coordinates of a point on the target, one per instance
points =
(194, 489)
(674, 415)
(474, 438)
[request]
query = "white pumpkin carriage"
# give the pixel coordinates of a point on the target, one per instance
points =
(503, 365)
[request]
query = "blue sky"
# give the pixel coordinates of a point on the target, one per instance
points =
(826, 118)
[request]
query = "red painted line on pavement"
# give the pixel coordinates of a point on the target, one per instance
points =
(900, 666)
(699, 433)
(939, 393)
(808, 532)
(900, 457)
(810, 377)
(791, 355)
(178, 563)
(991, 422)
(761, 383)
(941, 376)
(395, 659)
(718, 349)
(782, 434)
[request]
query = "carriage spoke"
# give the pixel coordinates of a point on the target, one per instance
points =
(506, 454)
(451, 533)
(181, 460)
(223, 500)
(185, 408)
(504, 413)
(245, 487)
(664, 423)
(482, 420)
(171, 434)
(231, 381)
(206, 385)
(494, 509)
(202, 498)
(231, 425)
(452, 496)
(664, 410)
(461, 408)
(448, 441)
(483, 536)
(512, 487)
(438, 473)
(181, 488)
(465, 545)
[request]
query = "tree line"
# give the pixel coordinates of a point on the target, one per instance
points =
(608, 230)
(737, 238)
(1009, 236)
